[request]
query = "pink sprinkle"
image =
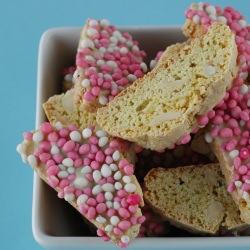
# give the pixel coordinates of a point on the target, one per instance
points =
(101, 208)
(27, 136)
(63, 183)
(105, 238)
(237, 162)
(133, 220)
(84, 149)
(124, 203)
(118, 231)
(72, 155)
(53, 181)
(69, 146)
(185, 139)
(87, 191)
(71, 177)
(109, 159)
(89, 177)
(53, 137)
(96, 91)
(64, 132)
(134, 199)
(95, 165)
(45, 145)
(111, 212)
(244, 115)
(58, 158)
(243, 169)
(100, 232)
(244, 153)
(91, 213)
(132, 209)
(129, 169)
(141, 219)
(50, 163)
(124, 225)
(114, 144)
(99, 157)
(83, 209)
(203, 120)
(100, 198)
(121, 193)
(122, 163)
(91, 202)
(52, 170)
(78, 163)
(245, 187)
(61, 142)
(93, 140)
(88, 96)
(123, 212)
(46, 128)
(226, 132)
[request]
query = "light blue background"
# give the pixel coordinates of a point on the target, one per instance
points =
(21, 26)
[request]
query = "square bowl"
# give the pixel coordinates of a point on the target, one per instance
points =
(57, 225)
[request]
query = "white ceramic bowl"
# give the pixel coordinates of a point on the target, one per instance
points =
(55, 224)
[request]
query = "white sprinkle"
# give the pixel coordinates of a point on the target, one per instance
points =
(110, 50)
(68, 162)
(90, 58)
(87, 43)
(103, 141)
(80, 182)
(152, 64)
(144, 67)
(247, 181)
(130, 187)
(104, 22)
(69, 197)
(244, 75)
(248, 103)
(129, 43)
(86, 133)
(75, 75)
(245, 195)
(21, 148)
(113, 40)
(54, 150)
(32, 160)
(233, 153)
(200, 5)
(125, 239)
(86, 170)
(222, 19)
(91, 32)
(100, 219)
(75, 136)
(61, 166)
(108, 187)
(113, 166)
(131, 77)
(96, 190)
(117, 34)
(103, 100)
(108, 228)
(101, 133)
(135, 48)
(212, 17)
(244, 89)
(37, 136)
(116, 155)
(24, 158)
(109, 204)
(238, 183)
(93, 22)
(108, 196)
(100, 62)
(58, 126)
(116, 205)
(211, 10)
(118, 185)
(82, 199)
(102, 50)
(112, 64)
(106, 171)
(123, 50)
(63, 174)
(122, 39)
(114, 220)
(126, 179)
(242, 23)
(113, 85)
(208, 138)
(71, 170)
(196, 19)
(242, 123)
(97, 176)
(106, 76)
(117, 175)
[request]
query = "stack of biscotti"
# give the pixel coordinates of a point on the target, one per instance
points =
(193, 197)
(228, 132)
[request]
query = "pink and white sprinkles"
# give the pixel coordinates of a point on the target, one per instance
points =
(230, 118)
(112, 60)
(87, 167)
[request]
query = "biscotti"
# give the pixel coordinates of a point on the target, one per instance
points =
(161, 108)
(88, 170)
(62, 108)
(192, 197)
(107, 62)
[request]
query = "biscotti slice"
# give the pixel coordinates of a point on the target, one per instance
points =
(192, 197)
(107, 62)
(62, 108)
(88, 169)
(160, 108)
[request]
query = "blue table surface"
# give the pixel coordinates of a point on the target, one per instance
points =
(21, 26)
